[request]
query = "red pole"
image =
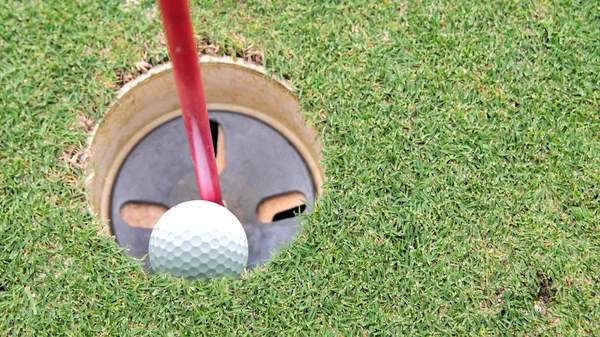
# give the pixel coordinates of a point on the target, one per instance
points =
(186, 67)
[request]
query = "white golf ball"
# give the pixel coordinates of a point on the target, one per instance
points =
(198, 240)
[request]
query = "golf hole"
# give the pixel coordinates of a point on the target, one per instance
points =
(267, 156)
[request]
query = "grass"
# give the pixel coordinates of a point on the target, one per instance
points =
(461, 147)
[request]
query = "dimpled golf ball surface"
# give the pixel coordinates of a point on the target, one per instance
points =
(198, 240)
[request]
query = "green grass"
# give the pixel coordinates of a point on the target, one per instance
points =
(461, 147)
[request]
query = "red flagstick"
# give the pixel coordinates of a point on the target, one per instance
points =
(186, 67)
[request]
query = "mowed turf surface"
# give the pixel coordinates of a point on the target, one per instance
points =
(461, 148)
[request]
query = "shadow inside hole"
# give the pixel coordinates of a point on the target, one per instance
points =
(289, 213)
(214, 131)
(218, 143)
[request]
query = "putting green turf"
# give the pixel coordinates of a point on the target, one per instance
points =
(461, 146)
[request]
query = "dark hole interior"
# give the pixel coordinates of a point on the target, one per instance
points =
(214, 131)
(289, 213)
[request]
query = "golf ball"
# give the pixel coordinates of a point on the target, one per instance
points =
(198, 240)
